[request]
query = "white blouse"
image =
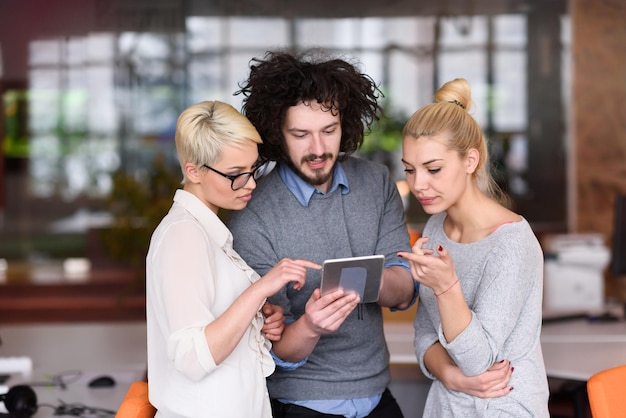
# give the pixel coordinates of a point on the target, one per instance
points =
(192, 276)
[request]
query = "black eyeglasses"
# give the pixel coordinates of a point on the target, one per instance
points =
(240, 180)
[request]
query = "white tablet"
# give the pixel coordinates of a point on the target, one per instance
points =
(359, 274)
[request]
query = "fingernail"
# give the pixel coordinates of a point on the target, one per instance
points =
(439, 248)
(400, 255)
(511, 388)
(512, 369)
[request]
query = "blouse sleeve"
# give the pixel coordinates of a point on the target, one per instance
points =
(185, 261)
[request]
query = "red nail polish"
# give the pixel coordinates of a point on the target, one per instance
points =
(439, 248)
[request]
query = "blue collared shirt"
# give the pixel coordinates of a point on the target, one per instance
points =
(303, 190)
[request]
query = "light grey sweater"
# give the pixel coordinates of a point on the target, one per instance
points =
(352, 362)
(502, 281)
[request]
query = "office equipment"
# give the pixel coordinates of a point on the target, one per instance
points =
(136, 403)
(574, 272)
(20, 401)
(606, 391)
(9, 366)
(618, 244)
(16, 364)
(105, 381)
(74, 354)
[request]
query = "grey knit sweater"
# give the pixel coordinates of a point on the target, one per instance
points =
(353, 362)
(502, 281)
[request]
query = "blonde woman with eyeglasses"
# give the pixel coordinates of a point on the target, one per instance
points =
(208, 338)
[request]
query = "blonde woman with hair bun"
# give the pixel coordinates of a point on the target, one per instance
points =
(479, 264)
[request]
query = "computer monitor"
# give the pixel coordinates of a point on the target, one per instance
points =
(618, 245)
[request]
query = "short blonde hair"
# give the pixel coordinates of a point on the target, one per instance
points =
(203, 130)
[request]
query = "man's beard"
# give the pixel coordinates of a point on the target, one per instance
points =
(319, 177)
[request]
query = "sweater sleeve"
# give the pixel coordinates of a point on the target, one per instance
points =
(425, 337)
(511, 273)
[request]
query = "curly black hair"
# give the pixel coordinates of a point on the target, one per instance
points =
(282, 79)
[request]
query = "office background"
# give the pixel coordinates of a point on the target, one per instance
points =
(91, 90)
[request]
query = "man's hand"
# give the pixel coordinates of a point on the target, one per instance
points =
(325, 314)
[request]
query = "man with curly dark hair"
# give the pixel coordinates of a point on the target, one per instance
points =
(334, 84)
(321, 203)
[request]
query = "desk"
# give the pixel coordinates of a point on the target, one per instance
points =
(399, 336)
(117, 349)
(577, 349)
(571, 350)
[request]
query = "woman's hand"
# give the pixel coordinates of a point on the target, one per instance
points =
(435, 272)
(286, 271)
(493, 383)
(274, 324)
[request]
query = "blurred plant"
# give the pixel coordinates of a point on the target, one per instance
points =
(137, 207)
(383, 143)
(386, 134)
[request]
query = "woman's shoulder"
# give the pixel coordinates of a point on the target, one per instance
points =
(492, 216)
(516, 224)
(517, 238)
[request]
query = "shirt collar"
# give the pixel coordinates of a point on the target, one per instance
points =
(207, 218)
(303, 191)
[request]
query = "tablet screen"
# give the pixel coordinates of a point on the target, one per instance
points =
(358, 274)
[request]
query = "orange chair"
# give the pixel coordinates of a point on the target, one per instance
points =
(607, 393)
(136, 403)
(414, 235)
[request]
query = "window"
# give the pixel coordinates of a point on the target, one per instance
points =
(109, 100)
